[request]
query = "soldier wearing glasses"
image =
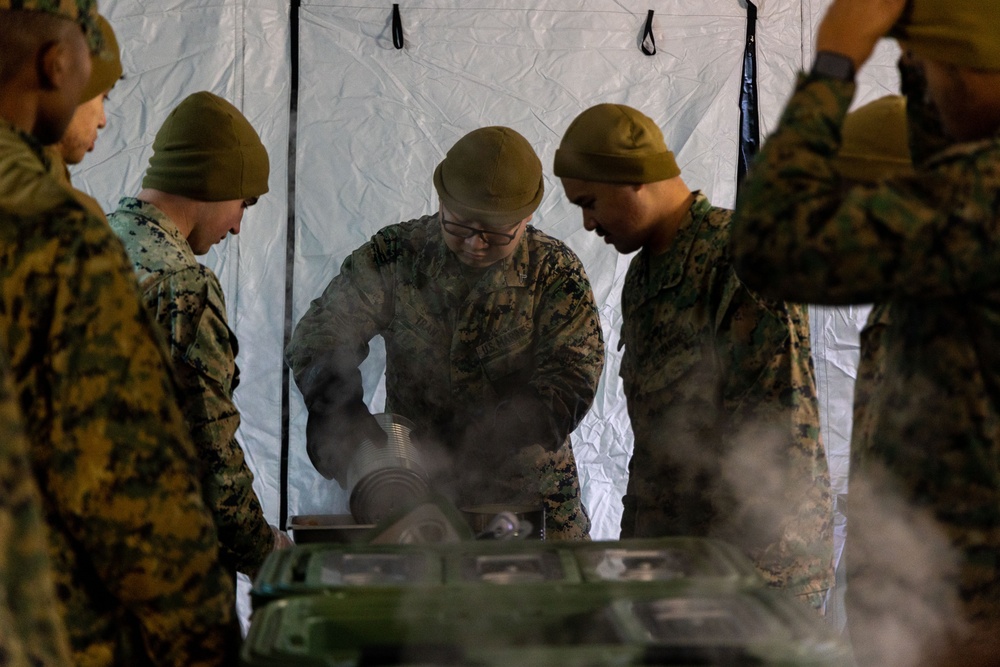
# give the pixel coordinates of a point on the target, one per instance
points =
(493, 341)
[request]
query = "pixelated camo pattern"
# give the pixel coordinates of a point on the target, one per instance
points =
(133, 547)
(454, 345)
(31, 625)
(722, 399)
(185, 299)
(925, 248)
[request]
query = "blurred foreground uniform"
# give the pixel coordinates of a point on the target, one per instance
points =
(924, 249)
(498, 364)
(874, 146)
(31, 628)
(204, 152)
(133, 548)
(719, 382)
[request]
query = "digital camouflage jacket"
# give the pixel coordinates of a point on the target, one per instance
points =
(134, 549)
(460, 346)
(721, 395)
(185, 299)
(925, 249)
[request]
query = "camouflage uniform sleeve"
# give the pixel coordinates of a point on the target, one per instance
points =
(31, 627)
(192, 313)
(331, 340)
(800, 234)
(570, 350)
(122, 472)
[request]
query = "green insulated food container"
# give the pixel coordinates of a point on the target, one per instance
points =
(527, 625)
(604, 570)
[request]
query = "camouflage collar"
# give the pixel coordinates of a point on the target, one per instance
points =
(150, 215)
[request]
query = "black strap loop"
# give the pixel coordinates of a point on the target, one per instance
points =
(749, 116)
(397, 27)
(647, 34)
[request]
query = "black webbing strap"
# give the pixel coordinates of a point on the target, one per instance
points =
(647, 36)
(749, 117)
(289, 268)
(397, 27)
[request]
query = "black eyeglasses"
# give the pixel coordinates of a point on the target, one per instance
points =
(465, 232)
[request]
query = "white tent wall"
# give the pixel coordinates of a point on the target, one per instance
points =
(373, 122)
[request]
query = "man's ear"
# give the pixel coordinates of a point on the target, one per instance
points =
(54, 65)
(49, 65)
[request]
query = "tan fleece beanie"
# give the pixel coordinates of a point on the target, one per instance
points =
(875, 141)
(206, 150)
(614, 143)
(965, 33)
(492, 176)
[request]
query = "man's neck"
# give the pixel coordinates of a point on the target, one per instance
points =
(172, 206)
(18, 108)
(677, 200)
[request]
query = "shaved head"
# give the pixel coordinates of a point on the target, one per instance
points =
(44, 68)
(23, 34)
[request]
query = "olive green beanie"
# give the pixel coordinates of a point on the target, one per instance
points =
(492, 176)
(83, 12)
(875, 141)
(614, 143)
(206, 150)
(958, 32)
(105, 65)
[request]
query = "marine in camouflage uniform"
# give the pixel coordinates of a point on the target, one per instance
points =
(134, 549)
(719, 382)
(31, 627)
(498, 364)
(186, 301)
(923, 247)
(874, 146)
(89, 118)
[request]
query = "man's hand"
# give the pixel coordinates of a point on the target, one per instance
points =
(332, 438)
(853, 27)
(281, 539)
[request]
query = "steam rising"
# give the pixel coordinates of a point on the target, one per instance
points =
(902, 593)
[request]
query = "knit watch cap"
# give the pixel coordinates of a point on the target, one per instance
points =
(614, 143)
(83, 12)
(106, 65)
(491, 176)
(956, 32)
(206, 150)
(875, 141)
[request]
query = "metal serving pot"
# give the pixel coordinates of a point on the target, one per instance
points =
(506, 521)
(385, 479)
